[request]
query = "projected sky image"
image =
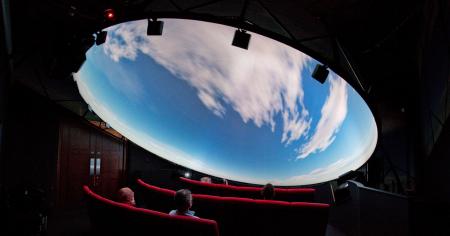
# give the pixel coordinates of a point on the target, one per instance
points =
(253, 115)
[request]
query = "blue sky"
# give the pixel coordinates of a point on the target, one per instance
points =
(251, 115)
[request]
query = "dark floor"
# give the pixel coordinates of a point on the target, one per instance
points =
(69, 223)
(76, 223)
(333, 231)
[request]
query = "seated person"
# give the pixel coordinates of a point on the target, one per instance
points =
(225, 181)
(206, 179)
(126, 195)
(268, 191)
(183, 202)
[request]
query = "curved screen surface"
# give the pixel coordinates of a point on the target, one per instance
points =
(253, 115)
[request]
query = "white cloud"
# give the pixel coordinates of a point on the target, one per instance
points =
(333, 113)
(211, 103)
(258, 83)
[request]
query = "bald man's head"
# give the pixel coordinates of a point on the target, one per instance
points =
(126, 195)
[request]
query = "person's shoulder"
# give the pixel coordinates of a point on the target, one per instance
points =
(191, 213)
(173, 212)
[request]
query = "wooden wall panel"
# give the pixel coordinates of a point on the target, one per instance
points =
(73, 163)
(79, 144)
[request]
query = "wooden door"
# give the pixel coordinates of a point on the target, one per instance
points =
(107, 164)
(109, 174)
(72, 164)
(87, 157)
(95, 161)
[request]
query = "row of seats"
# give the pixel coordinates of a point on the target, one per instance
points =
(281, 194)
(112, 218)
(244, 216)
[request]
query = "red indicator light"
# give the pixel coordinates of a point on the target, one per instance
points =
(110, 14)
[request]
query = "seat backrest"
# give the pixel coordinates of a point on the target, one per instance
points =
(314, 217)
(112, 218)
(243, 216)
(153, 197)
(281, 194)
(295, 194)
(206, 188)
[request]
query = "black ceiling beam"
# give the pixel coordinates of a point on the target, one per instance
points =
(350, 65)
(202, 5)
(176, 5)
(41, 83)
(276, 20)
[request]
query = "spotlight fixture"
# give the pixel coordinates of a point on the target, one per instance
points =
(241, 39)
(187, 174)
(320, 73)
(155, 27)
(109, 14)
(100, 37)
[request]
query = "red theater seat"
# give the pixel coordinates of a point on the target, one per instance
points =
(243, 216)
(159, 199)
(112, 218)
(290, 195)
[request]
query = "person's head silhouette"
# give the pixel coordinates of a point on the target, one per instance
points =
(268, 191)
(183, 201)
(206, 179)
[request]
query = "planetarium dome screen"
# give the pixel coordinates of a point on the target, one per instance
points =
(253, 115)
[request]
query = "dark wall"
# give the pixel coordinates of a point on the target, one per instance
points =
(154, 169)
(436, 206)
(158, 171)
(31, 140)
(435, 68)
(4, 77)
(437, 169)
(431, 212)
(28, 166)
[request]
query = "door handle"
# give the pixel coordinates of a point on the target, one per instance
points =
(98, 167)
(95, 164)
(98, 163)
(91, 164)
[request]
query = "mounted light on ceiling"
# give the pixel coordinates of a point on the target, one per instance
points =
(155, 27)
(100, 37)
(109, 14)
(320, 73)
(241, 39)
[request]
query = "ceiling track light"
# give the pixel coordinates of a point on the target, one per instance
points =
(320, 73)
(241, 39)
(155, 27)
(100, 37)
